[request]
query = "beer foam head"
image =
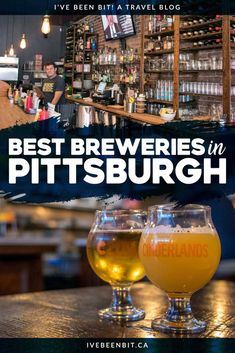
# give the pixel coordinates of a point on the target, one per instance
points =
(179, 229)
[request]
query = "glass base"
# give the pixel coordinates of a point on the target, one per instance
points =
(179, 318)
(190, 327)
(132, 314)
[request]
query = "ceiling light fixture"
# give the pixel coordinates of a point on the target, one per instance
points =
(23, 43)
(46, 27)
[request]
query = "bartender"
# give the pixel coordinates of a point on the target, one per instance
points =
(53, 87)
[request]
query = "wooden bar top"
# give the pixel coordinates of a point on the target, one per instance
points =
(26, 246)
(143, 118)
(73, 313)
(11, 114)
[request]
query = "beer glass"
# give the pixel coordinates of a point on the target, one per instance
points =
(112, 250)
(180, 251)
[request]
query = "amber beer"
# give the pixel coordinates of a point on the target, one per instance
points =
(180, 260)
(113, 255)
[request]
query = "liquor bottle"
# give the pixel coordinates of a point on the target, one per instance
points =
(136, 56)
(170, 43)
(114, 59)
(93, 44)
(164, 23)
(87, 26)
(165, 44)
(150, 46)
(202, 20)
(158, 44)
(110, 56)
(92, 28)
(121, 59)
(88, 43)
(16, 96)
(150, 25)
(169, 22)
(131, 55)
(10, 94)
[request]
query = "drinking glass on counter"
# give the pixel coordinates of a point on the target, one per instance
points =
(180, 251)
(112, 250)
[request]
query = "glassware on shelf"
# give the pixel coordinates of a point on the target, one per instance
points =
(180, 250)
(201, 87)
(187, 62)
(112, 250)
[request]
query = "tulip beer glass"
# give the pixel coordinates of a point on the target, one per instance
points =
(112, 250)
(180, 251)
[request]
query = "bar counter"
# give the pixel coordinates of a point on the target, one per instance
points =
(73, 313)
(142, 118)
(21, 263)
(11, 114)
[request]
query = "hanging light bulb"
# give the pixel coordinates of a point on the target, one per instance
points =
(46, 28)
(23, 42)
(11, 51)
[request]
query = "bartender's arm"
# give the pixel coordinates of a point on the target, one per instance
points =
(58, 90)
(57, 96)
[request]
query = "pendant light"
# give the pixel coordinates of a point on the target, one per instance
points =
(23, 43)
(46, 27)
(12, 51)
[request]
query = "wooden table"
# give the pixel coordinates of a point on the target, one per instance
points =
(11, 114)
(73, 313)
(21, 264)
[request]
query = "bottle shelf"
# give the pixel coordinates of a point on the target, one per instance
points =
(200, 25)
(212, 34)
(200, 94)
(203, 47)
(203, 36)
(158, 71)
(160, 101)
(159, 52)
(160, 33)
(107, 64)
(201, 70)
(130, 63)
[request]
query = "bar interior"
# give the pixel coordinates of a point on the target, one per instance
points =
(105, 70)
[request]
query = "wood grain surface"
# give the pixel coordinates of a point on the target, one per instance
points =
(73, 313)
(11, 114)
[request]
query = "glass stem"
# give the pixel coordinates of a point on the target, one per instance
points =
(179, 310)
(121, 298)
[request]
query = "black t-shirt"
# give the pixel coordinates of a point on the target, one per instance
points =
(50, 86)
